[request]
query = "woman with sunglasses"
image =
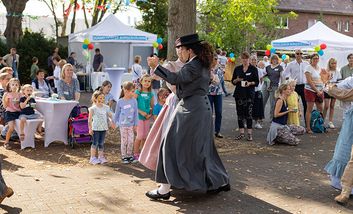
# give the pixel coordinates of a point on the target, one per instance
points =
(330, 76)
(215, 93)
(313, 90)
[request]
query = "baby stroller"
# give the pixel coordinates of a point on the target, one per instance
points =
(78, 127)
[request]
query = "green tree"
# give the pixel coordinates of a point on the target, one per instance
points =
(239, 25)
(154, 19)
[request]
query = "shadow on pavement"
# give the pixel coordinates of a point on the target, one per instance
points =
(233, 201)
(10, 210)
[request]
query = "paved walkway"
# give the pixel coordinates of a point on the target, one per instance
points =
(264, 179)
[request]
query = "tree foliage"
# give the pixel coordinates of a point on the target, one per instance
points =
(239, 25)
(35, 45)
(154, 19)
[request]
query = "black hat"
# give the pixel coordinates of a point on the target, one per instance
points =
(188, 40)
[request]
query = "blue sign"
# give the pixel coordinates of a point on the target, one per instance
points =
(119, 37)
(290, 44)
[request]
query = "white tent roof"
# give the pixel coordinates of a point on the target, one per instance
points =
(315, 35)
(113, 30)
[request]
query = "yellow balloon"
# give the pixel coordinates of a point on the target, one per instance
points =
(317, 48)
(155, 44)
(268, 47)
(86, 41)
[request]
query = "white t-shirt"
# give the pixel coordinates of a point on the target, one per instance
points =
(336, 75)
(315, 76)
(136, 71)
(57, 75)
(261, 73)
(100, 117)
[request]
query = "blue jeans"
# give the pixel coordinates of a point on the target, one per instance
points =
(98, 140)
(224, 88)
(216, 101)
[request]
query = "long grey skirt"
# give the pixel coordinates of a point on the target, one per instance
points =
(188, 158)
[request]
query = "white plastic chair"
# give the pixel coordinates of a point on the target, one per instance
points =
(29, 131)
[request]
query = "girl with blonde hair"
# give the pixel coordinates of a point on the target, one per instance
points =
(330, 75)
(279, 131)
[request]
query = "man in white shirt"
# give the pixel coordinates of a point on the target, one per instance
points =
(295, 70)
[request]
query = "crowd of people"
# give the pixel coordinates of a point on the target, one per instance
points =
(170, 108)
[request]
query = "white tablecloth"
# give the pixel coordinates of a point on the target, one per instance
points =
(56, 114)
(97, 78)
(115, 75)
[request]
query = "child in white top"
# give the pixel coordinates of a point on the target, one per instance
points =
(99, 113)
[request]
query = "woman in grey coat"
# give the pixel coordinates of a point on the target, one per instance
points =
(188, 158)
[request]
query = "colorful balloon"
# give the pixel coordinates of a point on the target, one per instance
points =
(229, 60)
(320, 52)
(90, 46)
(317, 48)
(155, 44)
(272, 50)
(323, 46)
(232, 59)
(269, 47)
(231, 55)
(85, 46)
(160, 46)
(86, 41)
(267, 53)
(159, 40)
(283, 56)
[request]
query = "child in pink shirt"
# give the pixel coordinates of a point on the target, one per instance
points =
(11, 102)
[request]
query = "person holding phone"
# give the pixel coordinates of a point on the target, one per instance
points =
(245, 78)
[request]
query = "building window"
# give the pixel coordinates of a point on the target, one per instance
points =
(346, 26)
(339, 25)
(311, 22)
(282, 23)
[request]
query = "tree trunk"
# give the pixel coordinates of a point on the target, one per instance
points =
(66, 17)
(73, 21)
(51, 7)
(181, 21)
(96, 12)
(102, 11)
(84, 13)
(13, 31)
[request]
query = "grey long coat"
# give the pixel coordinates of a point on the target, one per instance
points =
(188, 158)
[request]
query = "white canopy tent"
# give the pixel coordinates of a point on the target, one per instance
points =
(118, 43)
(338, 45)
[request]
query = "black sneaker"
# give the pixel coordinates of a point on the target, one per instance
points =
(218, 135)
(125, 160)
(133, 160)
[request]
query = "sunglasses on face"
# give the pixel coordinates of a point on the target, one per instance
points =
(298, 53)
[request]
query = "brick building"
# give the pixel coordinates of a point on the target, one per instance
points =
(336, 14)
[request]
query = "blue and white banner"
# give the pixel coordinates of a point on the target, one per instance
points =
(291, 44)
(119, 38)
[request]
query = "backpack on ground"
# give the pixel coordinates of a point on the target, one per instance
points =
(317, 122)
